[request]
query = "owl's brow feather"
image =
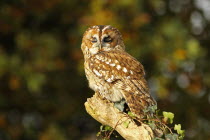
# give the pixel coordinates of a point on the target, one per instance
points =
(100, 30)
(102, 27)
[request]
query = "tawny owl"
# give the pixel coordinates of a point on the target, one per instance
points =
(112, 72)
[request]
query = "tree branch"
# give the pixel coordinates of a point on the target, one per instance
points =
(104, 112)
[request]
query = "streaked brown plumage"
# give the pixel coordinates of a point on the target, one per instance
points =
(112, 72)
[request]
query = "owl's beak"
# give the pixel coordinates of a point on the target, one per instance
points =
(99, 46)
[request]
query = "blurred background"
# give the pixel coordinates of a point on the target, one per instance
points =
(42, 82)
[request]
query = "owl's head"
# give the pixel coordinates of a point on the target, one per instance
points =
(101, 38)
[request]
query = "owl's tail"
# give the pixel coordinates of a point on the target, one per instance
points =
(139, 100)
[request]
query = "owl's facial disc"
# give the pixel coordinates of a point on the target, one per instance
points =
(102, 38)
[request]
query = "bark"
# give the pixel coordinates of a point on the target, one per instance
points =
(104, 112)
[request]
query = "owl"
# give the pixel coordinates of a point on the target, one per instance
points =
(112, 72)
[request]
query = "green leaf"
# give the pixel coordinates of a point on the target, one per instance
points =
(107, 128)
(101, 127)
(98, 134)
(171, 136)
(152, 125)
(126, 123)
(151, 109)
(168, 115)
(156, 138)
(131, 114)
(177, 127)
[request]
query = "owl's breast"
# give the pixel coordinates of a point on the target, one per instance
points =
(106, 89)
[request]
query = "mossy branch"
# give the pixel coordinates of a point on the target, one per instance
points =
(105, 112)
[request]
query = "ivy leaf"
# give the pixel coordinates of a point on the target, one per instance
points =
(126, 123)
(98, 134)
(151, 109)
(168, 115)
(101, 127)
(104, 128)
(108, 128)
(131, 114)
(156, 138)
(171, 136)
(177, 127)
(152, 125)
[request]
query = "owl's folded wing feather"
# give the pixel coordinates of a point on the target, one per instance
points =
(112, 66)
(126, 73)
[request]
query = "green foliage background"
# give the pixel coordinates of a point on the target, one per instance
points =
(42, 83)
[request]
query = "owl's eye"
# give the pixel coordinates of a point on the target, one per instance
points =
(107, 39)
(93, 40)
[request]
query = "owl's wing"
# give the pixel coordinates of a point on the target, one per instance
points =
(125, 73)
(116, 65)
